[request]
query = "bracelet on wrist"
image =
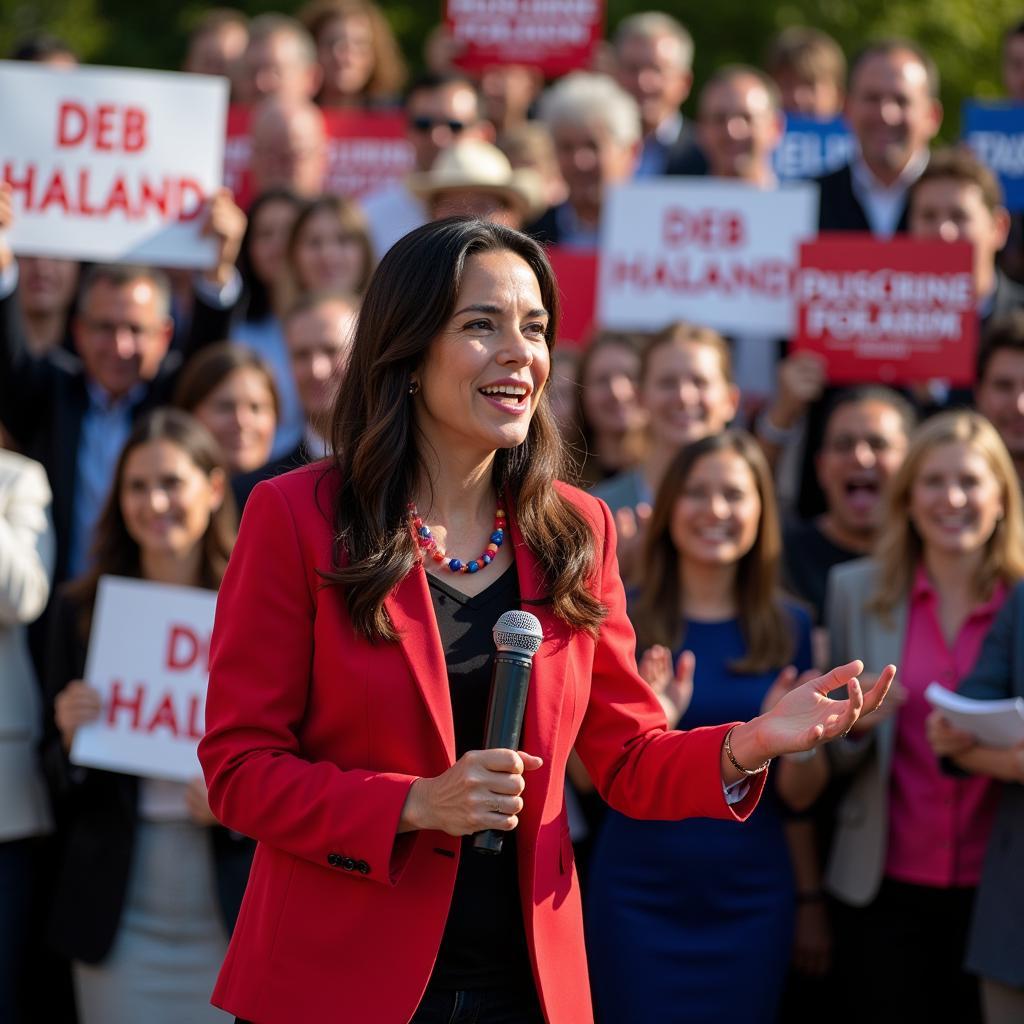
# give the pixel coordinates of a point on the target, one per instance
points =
(732, 758)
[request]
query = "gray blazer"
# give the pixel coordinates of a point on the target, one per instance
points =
(995, 947)
(856, 861)
(27, 553)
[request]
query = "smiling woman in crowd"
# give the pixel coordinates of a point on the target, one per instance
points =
(687, 392)
(148, 886)
(674, 907)
(909, 840)
(231, 391)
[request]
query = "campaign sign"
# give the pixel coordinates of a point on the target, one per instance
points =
(995, 131)
(554, 35)
(110, 164)
(811, 148)
(148, 657)
(715, 252)
(365, 149)
(576, 274)
(894, 311)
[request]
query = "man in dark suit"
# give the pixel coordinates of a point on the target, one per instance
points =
(318, 331)
(893, 108)
(73, 415)
(654, 64)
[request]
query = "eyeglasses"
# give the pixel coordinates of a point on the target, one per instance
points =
(428, 124)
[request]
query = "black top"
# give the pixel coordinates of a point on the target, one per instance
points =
(807, 558)
(484, 942)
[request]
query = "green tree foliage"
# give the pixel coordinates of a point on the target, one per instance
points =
(962, 35)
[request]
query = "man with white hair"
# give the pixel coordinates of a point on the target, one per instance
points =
(654, 64)
(596, 129)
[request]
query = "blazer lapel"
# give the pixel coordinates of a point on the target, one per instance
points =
(548, 678)
(412, 615)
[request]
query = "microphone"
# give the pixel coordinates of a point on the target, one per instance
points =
(517, 636)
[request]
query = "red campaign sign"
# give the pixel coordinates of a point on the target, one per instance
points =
(895, 312)
(365, 149)
(554, 35)
(576, 274)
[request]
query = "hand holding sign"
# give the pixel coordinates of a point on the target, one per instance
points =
(77, 704)
(224, 222)
(6, 220)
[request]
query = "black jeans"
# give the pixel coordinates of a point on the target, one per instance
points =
(484, 1006)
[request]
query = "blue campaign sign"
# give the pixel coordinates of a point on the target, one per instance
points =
(995, 131)
(811, 148)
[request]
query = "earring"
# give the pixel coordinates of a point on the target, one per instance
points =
(414, 386)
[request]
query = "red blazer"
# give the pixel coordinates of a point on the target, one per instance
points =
(314, 736)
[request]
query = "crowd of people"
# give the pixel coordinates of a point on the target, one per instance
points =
(768, 523)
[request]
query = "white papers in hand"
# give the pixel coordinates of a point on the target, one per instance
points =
(995, 723)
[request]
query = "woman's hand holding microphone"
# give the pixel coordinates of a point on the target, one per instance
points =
(482, 790)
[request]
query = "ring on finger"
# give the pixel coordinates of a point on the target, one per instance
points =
(495, 807)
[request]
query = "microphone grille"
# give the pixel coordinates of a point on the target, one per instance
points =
(518, 631)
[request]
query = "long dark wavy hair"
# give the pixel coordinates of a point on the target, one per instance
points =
(766, 625)
(116, 553)
(410, 298)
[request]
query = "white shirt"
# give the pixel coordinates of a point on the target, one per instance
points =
(883, 204)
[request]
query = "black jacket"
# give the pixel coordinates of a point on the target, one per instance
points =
(840, 209)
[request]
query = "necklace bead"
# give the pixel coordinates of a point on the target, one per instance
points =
(427, 546)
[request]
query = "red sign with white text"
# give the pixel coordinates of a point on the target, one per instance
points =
(894, 312)
(576, 273)
(365, 149)
(554, 35)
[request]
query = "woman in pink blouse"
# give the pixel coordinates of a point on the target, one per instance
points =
(909, 839)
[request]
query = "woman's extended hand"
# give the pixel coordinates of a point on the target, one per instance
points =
(672, 687)
(482, 790)
(807, 716)
(75, 705)
(785, 681)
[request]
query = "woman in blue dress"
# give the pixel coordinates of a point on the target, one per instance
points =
(692, 921)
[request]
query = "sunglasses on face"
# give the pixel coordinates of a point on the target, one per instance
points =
(428, 124)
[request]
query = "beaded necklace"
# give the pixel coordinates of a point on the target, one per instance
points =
(428, 546)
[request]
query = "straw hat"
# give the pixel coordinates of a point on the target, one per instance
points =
(475, 165)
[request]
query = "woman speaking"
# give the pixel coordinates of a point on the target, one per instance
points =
(351, 664)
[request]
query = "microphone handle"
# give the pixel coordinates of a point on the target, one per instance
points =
(510, 683)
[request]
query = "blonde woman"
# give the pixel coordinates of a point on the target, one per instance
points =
(910, 839)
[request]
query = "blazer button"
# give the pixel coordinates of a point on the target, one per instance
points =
(362, 867)
(348, 863)
(334, 859)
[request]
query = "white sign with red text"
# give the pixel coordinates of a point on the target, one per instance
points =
(110, 164)
(714, 252)
(148, 656)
